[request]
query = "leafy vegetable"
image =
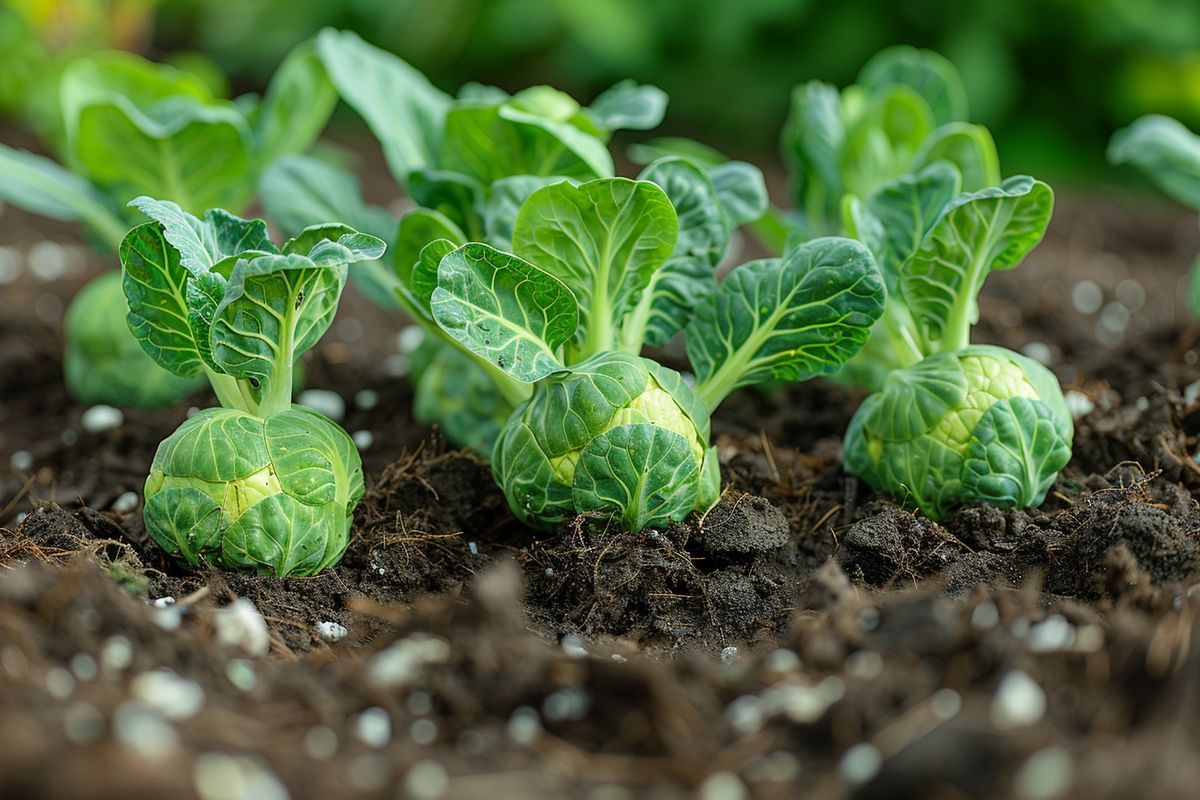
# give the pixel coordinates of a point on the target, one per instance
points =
(257, 482)
(907, 110)
(604, 430)
(471, 163)
(951, 422)
(135, 127)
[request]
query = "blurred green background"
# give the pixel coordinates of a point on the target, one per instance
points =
(1052, 78)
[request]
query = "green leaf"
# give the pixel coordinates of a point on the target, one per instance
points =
(298, 103)
(1017, 449)
(185, 522)
(688, 277)
(976, 233)
(402, 108)
(968, 147)
(1165, 151)
(203, 243)
(504, 310)
(883, 135)
(334, 244)
(490, 142)
(629, 106)
(645, 475)
(905, 209)
(155, 284)
(928, 73)
(418, 229)
(39, 185)
(604, 239)
(283, 536)
(813, 138)
(785, 319)
(275, 308)
(505, 198)
(530, 484)
(299, 191)
(651, 150)
(914, 400)
(452, 194)
(742, 191)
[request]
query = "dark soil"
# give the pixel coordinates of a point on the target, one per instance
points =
(807, 637)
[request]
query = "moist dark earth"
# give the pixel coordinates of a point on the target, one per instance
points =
(805, 638)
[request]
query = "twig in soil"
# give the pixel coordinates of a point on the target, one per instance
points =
(827, 516)
(15, 500)
(770, 455)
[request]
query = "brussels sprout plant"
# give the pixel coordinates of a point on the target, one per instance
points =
(952, 422)
(134, 127)
(597, 271)
(469, 162)
(257, 482)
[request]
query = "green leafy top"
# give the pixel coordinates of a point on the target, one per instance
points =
(212, 294)
(133, 127)
(907, 110)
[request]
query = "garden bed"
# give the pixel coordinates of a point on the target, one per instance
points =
(807, 635)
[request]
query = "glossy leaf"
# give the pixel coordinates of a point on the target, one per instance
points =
(785, 319)
(741, 190)
(629, 106)
(155, 285)
(968, 147)
(813, 139)
(504, 310)
(1165, 151)
(1016, 452)
(930, 74)
(298, 102)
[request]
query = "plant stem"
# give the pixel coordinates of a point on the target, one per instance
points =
(229, 392)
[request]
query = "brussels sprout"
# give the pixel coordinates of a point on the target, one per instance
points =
(614, 433)
(951, 422)
(103, 363)
(259, 482)
(601, 269)
(981, 424)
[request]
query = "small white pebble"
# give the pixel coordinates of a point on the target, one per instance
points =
(426, 780)
(1039, 352)
(860, 764)
(572, 645)
(1018, 702)
(728, 654)
(241, 674)
(239, 624)
(473, 547)
(21, 460)
(363, 439)
(864, 664)
(169, 619)
(1087, 297)
(220, 776)
(945, 703)
(782, 660)
(321, 742)
(143, 730)
(100, 418)
(325, 402)
(373, 727)
(1191, 392)
(1078, 403)
(174, 697)
(1088, 638)
(568, 703)
(331, 631)
(423, 731)
(164, 602)
(366, 399)
(127, 502)
(397, 365)
(116, 654)
(48, 261)
(405, 661)
(1142, 403)
(1131, 294)
(84, 667)
(722, 786)
(1045, 775)
(1052, 634)
(524, 725)
(59, 683)
(410, 338)
(620, 659)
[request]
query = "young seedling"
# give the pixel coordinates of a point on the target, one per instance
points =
(597, 271)
(1167, 153)
(951, 422)
(257, 482)
(907, 110)
(469, 162)
(133, 127)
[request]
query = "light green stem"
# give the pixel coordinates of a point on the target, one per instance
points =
(231, 393)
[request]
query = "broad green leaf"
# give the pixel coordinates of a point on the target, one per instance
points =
(1017, 449)
(418, 230)
(155, 284)
(403, 109)
(629, 106)
(645, 475)
(883, 135)
(688, 277)
(199, 448)
(275, 308)
(928, 73)
(299, 191)
(505, 198)
(520, 466)
(283, 536)
(334, 244)
(456, 196)
(813, 139)
(976, 233)
(742, 191)
(41, 186)
(906, 208)
(785, 319)
(647, 152)
(1165, 151)
(968, 147)
(504, 310)
(202, 243)
(297, 104)
(185, 522)
(604, 239)
(301, 458)
(489, 142)
(915, 399)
